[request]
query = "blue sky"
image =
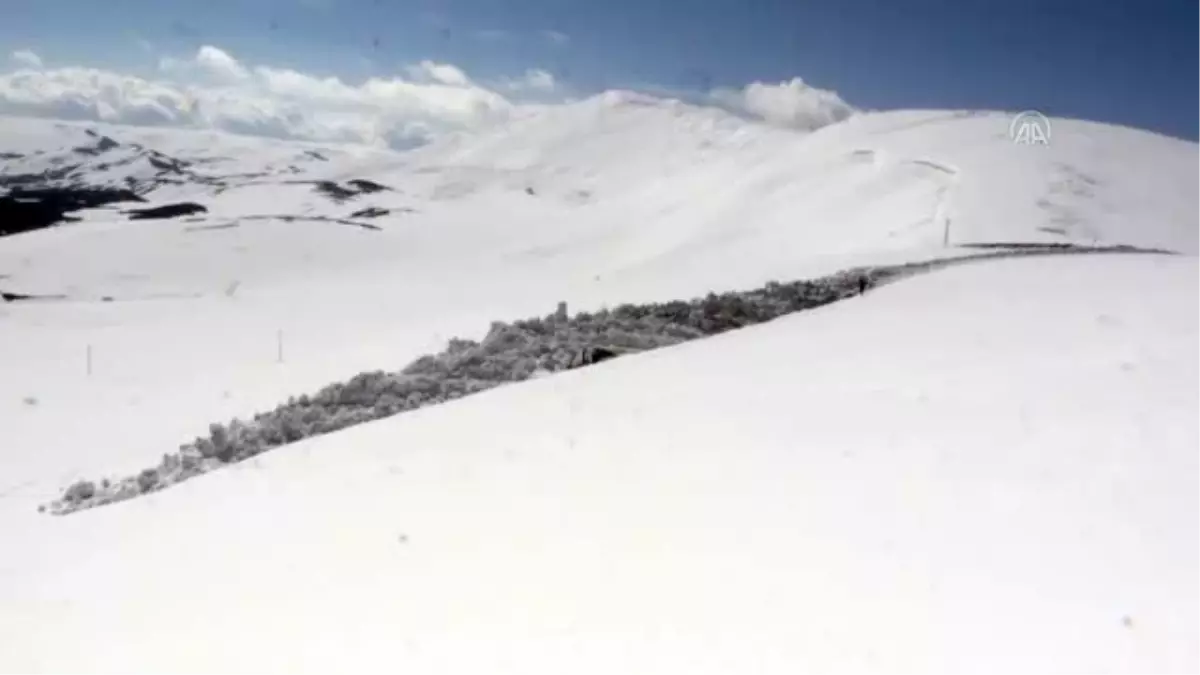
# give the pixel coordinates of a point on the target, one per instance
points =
(1124, 61)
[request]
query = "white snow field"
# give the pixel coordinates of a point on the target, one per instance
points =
(989, 468)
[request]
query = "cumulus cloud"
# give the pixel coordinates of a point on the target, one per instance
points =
(213, 89)
(534, 80)
(221, 64)
(24, 58)
(443, 73)
(793, 104)
(90, 94)
(210, 63)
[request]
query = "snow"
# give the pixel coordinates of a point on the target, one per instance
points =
(991, 467)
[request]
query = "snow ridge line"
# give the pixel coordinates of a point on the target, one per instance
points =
(516, 352)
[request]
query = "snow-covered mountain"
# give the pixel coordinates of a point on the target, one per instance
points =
(990, 466)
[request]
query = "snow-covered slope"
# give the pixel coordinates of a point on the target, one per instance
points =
(109, 154)
(623, 187)
(984, 467)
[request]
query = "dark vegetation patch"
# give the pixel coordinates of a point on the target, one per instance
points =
(510, 352)
(1065, 247)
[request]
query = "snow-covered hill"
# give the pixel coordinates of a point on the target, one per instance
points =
(987, 467)
(627, 187)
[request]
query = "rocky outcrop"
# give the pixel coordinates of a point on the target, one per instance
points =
(25, 210)
(18, 297)
(370, 212)
(350, 190)
(366, 187)
(166, 211)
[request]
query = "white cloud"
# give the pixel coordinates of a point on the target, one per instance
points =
(442, 73)
(792, 104)
(534, 79)
(212, 89)
(90, 94)
(26, 59)
(220, 63)
(556, 37)
(210, 63)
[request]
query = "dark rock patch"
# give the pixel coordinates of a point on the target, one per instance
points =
(41, 179)
(166, 211)
(334, 191)
(25, 210)
(165, 163)
(17, 216)
(18, 297)
(370, 212)
(103, 144)
(75, 198)
(351, 189)
(11, 155)
(366, 187)
(204, 228)
(315, 219)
